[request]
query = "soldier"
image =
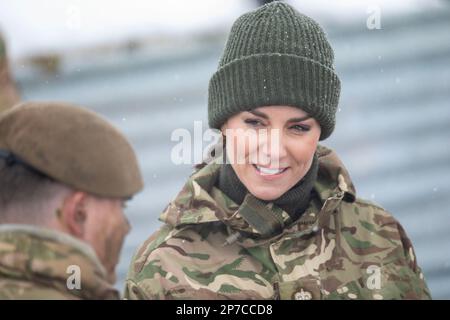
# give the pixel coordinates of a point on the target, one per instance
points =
(286, 222)
(65, 175)
(8, 91)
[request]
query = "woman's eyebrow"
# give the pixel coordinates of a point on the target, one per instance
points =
(299, 119)
(259, 114)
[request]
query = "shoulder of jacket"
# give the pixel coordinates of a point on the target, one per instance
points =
(155, 241)
(371, 204)
(164, 233)
(156, 245)
(370, 212)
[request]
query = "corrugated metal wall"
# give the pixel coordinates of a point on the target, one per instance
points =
(393, 128)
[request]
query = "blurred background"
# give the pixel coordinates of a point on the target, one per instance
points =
(145, 66)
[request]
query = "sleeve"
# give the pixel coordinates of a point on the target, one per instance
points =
(418, 284)
(399, 275)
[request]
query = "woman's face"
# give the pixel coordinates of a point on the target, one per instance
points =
(271, 148)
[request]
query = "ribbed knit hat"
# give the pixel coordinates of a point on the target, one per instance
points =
(275, 56)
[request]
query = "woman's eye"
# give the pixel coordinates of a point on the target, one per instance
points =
(253, 122)
(300, 128)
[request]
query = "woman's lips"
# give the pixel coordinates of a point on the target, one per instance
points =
(269, 173)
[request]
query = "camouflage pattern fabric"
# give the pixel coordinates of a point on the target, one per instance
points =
(342, 247)
(35, 263)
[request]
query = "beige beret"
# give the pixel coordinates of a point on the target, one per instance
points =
(72, 145)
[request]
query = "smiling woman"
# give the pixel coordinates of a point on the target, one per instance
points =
(271, 168)
(280, 219)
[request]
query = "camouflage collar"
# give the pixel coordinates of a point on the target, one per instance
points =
(333, 177)
(43, 256)
(200, 201)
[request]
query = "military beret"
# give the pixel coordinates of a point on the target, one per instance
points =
(72, 145)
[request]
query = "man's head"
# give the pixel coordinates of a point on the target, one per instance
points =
(64, 167)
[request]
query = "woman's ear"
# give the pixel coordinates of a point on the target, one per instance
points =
(73, 215)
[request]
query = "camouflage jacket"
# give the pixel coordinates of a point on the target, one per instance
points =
(340, 248)
(37, 263)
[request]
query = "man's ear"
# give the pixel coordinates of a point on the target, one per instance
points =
(74, 213)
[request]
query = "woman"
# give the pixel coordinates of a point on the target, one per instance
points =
(285, 222)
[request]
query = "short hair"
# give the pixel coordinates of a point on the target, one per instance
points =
(25, 194)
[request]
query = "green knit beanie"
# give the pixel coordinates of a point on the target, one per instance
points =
(275, 56)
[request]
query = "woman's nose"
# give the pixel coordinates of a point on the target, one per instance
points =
(273, 147)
